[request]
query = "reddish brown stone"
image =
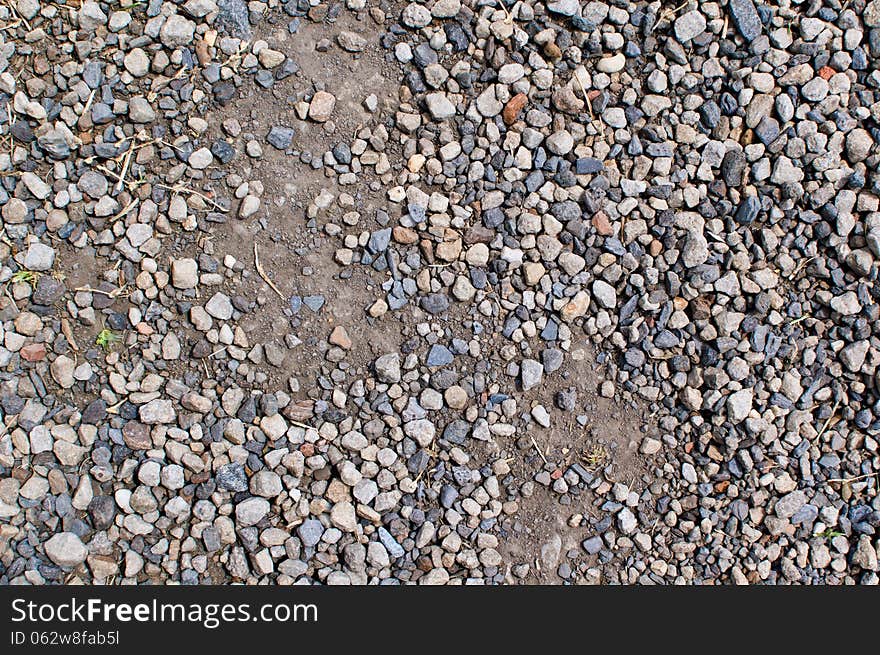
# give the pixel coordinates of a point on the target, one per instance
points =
(339, 337)
(33, 352)
(137, 436)
(701, 308)
(404, 235)
(479, 234)
(513, 107)
(602, 224)
(301, 410)
(552, 51)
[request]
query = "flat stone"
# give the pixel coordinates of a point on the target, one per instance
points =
(689, 26)
(439, 355)
(157, 411)
(66, 549)
(351, 41)
(39, 257)
(251, 511)
(439, 106)
(280, 137)
(219, 306)
(184, 273)
(745, 18)
(177, 31)
(739, 404)
(531, 374)
(321, 107)
(388, 368)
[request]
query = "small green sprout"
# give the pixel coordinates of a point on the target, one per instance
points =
(24, 275)
(106, 338)
(596, 457)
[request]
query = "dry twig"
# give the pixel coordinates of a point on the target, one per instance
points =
(262, 273)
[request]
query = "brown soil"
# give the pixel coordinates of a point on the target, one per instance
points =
(607, 445)
(299, 258)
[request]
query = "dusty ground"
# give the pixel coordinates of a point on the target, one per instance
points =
(298, 255)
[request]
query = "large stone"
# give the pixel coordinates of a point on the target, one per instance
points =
(739, 404)
(439, 106)
(689, 26)
(90, 16)
(66, 549)
(388, 368)
(177, 31)
(251, 511)
(321, 106)
(351, 41)
(39, 257)
(219, 306)
(343, 516)
(184, 273)
(531, 373)
(745, 18)
(157, 411)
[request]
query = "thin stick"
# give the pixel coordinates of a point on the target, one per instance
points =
(827, 422)
(855, 479)
(68, 334)
(125, 164)
(586, 98)
(134, 203)
(18, 15)
(109, 294)
(535, 444)
(183, 189)
(263, 275)
(89, 103)
(509, 18)
(8, 425)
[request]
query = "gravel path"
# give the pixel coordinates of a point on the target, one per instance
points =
(462, 292)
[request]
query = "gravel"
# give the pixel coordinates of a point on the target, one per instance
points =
(430, 293)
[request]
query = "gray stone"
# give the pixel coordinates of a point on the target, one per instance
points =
(310, 532)
(564, 7)
(627, 521)
(232, 16)
(280, 137)
(232, 477)
(351, 41)
(157, 411)
(66, 549)
(219, 306)
(605, 294)
(745, 18)
(439, 106)
(739, 404)
(251, 511)
(689, 26)
(177, 31)
(789, 504)
(39, 257)
(388, 368)
(531, 373)
(415, 16)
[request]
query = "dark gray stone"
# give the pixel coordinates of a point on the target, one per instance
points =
(745, 17)
(280, 137)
